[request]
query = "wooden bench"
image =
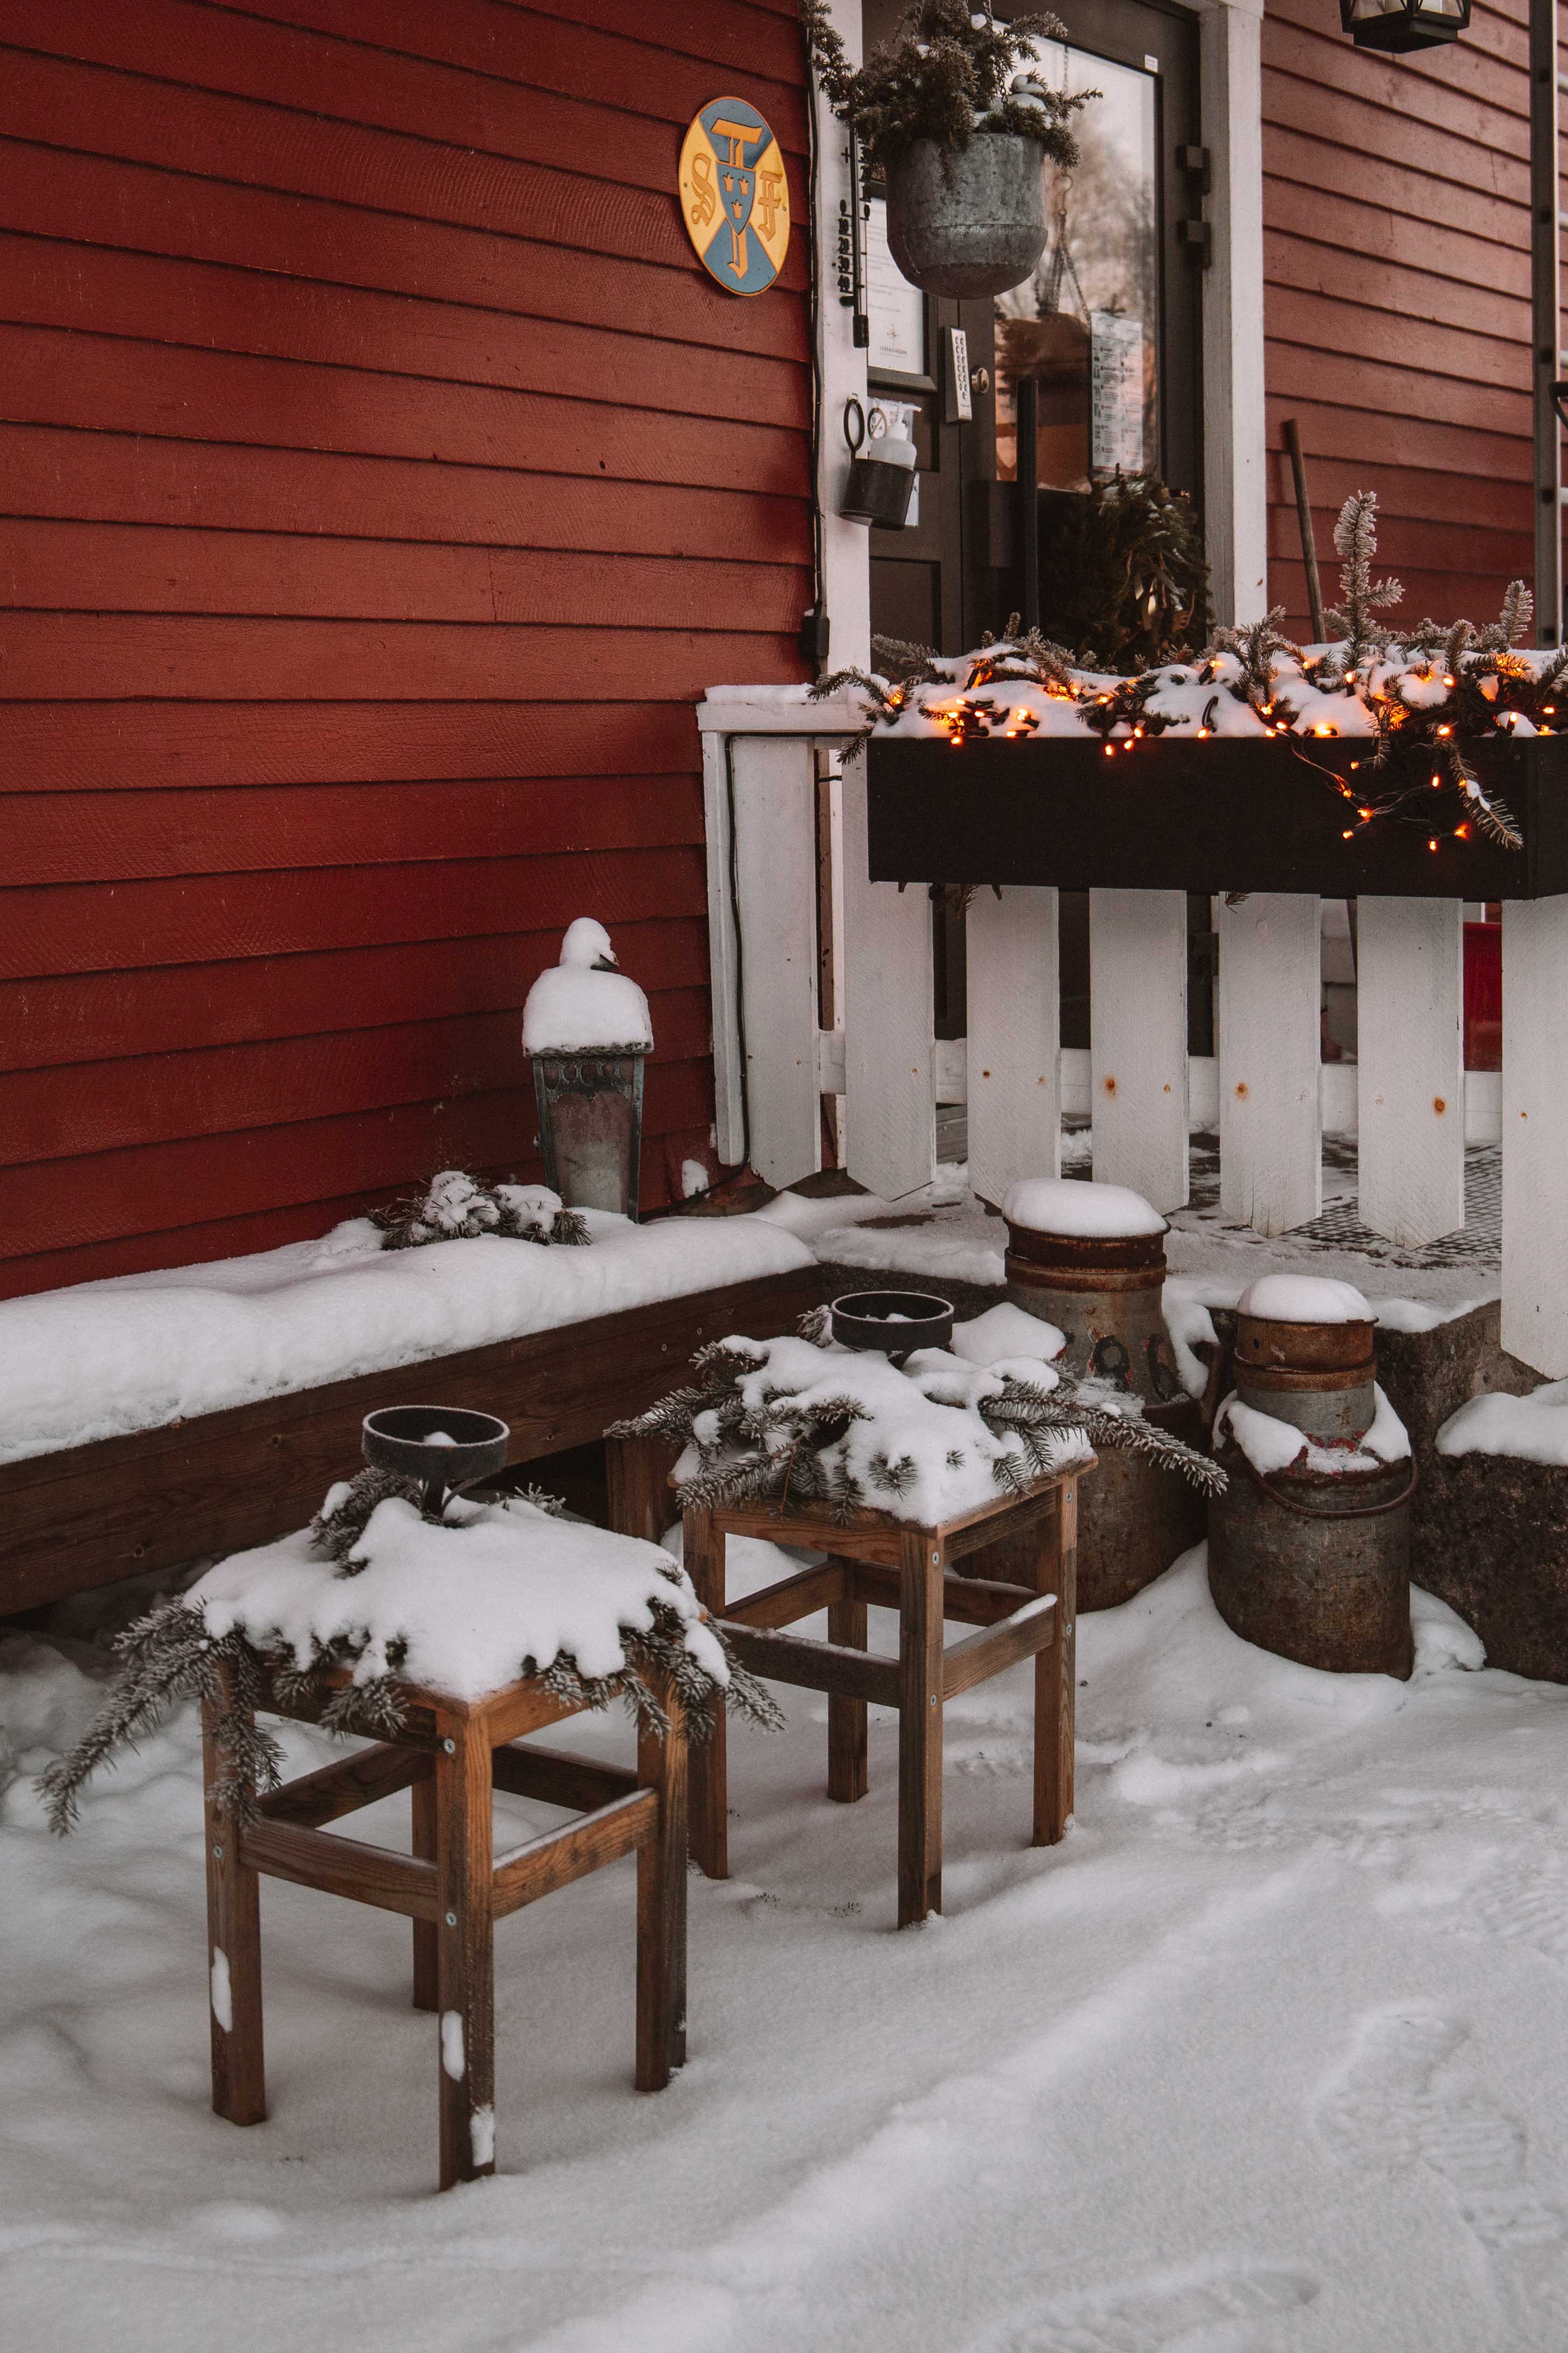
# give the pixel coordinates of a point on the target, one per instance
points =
(159, 1498)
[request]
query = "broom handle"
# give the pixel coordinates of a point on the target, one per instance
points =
(1304, 521)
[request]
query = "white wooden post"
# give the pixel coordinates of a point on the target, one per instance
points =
(1014, 1022)
(888, 1040)
(1270, 1117)
(775, 879)
(1535, 1134)
(1138, 1041)
(1410, 983)
(723, 956)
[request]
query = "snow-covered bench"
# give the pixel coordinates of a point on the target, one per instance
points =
(150, 1419)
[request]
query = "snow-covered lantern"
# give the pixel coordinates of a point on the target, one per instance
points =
(585, 1029)
(1403, 24)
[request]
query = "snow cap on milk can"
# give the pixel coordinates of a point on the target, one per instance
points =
(1091, 1260)
(1310, 1546)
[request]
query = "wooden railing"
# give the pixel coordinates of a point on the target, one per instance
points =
(797, 930)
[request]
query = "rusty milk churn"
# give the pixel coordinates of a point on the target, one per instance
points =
(1091, 1259)
(1310, 1546)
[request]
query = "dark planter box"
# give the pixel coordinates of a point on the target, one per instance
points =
(1180, 815)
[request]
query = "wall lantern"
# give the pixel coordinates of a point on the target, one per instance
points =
(1403, 24)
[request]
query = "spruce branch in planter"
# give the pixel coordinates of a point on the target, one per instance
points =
(948, 72)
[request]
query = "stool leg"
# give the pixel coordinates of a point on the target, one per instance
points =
(465, 1947)
(640, 1500)
(847, 1748)
(704, 1550)
(233, 1946)
(427, 1981)
(661, 1903)
(920, 1728)
(1056, 1670)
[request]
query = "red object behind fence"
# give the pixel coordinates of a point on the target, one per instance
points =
(1483, 996)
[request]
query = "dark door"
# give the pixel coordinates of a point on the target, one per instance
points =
(1108, 330)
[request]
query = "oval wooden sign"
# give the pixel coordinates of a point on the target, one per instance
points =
(734, 197)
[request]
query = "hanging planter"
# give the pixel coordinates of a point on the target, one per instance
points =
(969, 224)
(959, 133)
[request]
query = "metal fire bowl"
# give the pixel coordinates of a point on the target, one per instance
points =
(396, 1439)
(862, 1319)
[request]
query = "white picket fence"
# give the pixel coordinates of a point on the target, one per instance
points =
(1269, 1094)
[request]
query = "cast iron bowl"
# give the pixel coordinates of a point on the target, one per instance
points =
(396, 1439)
(893, 1323)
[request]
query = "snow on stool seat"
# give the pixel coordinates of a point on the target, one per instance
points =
(897, 1474)
(450, 1640)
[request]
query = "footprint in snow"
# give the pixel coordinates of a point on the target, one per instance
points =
(1392, 2105)
(1219, 2311)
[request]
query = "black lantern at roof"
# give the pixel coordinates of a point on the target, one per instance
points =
(1403, 24)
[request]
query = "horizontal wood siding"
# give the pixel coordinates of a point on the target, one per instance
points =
(1396, 211)
(381, 481)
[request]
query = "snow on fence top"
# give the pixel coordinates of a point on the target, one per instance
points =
(461, 1607)
(585, 1004)
(1074, 1205)
(1304, 1299)
(131, 1353)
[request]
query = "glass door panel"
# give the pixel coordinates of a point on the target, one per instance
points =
(1086, 325)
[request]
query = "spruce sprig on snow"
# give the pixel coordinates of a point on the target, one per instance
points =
(760, 1429)
(455, 1206)
(171, 1655)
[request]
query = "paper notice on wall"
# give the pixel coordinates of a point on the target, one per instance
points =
(1116, 378)
(896, 310)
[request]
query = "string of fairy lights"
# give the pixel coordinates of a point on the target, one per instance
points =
(1414, 714)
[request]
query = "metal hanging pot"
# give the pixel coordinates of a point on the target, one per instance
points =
(968, 223)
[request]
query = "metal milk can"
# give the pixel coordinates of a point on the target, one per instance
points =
(1104, 1293)
(1307, 1561)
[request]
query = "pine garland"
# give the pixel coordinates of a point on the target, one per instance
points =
(1426, 693)
(948, 72)
(780, 1451)
(455, 1207)
(170, 1655)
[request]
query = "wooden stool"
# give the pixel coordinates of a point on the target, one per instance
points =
(875, 1557)
(451, 1754)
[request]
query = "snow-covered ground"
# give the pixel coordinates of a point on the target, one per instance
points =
(1270, 2055)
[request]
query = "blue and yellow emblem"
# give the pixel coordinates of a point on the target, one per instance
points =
(734, 197)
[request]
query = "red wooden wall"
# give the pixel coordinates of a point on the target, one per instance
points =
(1396, 204)
(383, 482)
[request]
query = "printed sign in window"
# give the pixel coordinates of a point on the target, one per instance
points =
(1116, 389)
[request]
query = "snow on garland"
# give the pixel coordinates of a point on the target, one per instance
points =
(466, 1602)
(1414, 697)
(455, 1207)
(794, 1419)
